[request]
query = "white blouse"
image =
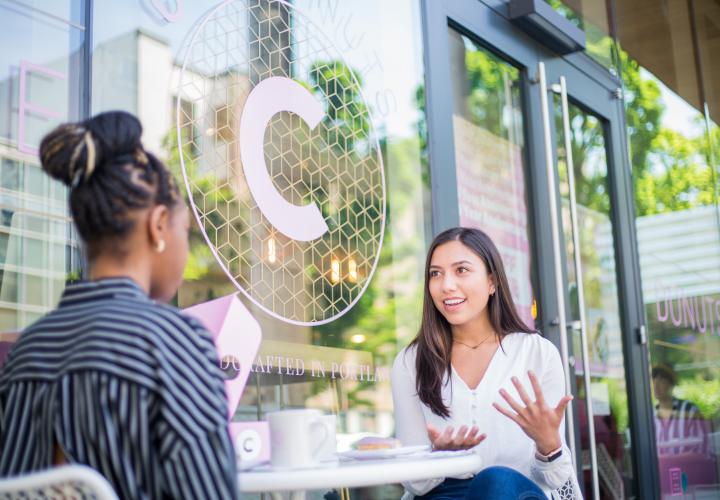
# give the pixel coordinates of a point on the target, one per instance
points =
(506, 444)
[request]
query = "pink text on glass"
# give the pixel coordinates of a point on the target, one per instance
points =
(687, 312)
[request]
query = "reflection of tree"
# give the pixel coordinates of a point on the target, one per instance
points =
(670, 171)
(346, 114)
(375, 316)
(201, 262)
(339, 147)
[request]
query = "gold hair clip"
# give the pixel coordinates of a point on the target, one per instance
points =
(74, 171)
(90, 165)
(141, 157)
(77, 174)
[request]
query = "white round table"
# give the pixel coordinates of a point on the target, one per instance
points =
(357, 473)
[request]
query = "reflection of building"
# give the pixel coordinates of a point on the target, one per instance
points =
(37, 247)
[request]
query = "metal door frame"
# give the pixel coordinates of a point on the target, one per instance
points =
(593, 88)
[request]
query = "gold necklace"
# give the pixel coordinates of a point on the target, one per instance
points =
(475, 346)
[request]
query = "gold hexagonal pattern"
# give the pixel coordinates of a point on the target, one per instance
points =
(337, 165)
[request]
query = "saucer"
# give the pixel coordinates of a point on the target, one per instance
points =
(385, 453)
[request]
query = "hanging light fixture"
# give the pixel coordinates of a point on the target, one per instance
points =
(271, 251)
(334, 270)
(352, 271)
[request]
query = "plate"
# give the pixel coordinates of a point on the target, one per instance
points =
(386, 453)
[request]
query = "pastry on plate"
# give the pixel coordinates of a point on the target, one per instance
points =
(376, 443)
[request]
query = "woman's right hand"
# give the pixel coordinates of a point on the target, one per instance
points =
(464, 438)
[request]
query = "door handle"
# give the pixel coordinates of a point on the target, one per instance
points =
(575, 326)
(555, 230)
(582, 324)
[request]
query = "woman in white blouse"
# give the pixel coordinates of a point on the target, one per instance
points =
(477, 377)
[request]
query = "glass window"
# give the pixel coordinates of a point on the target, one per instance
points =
(36, 181)
(10, 174)
(672, 141)
(9, 294)
(34, 253)
(40, 75)
(591, 16)
(605, 366)
(488, 131)
(705, 25)
(679, 247)
(65, 10)
(35, 290)
(370, 295)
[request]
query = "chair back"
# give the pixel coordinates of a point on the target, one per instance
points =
(68, 481)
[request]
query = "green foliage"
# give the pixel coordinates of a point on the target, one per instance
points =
(618, 403)
(704, 393)
(565, 11)
(200, 260)
(346, 115)
(670, 171)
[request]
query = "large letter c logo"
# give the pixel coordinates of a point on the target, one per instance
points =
(269, 97)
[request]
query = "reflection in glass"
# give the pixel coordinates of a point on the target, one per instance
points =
(679, 246)
(40, 45)
(591, 16)
(341, 367)
(602, 311)
(488, 131)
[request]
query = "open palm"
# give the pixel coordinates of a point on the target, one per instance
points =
(539, 421)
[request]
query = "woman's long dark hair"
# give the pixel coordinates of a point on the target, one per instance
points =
(434, 340)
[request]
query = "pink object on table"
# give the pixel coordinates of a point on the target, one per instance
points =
(675, 481)
(251, 441)
(698, 469)
(237, 336)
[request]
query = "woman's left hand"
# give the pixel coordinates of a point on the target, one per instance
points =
(539, 421)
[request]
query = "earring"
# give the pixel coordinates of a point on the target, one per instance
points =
(160, 246)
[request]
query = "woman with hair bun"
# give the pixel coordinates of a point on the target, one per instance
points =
(114, 378)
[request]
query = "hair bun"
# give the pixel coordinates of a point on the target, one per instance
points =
(79, 149)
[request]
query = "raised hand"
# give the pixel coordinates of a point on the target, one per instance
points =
(464, 438)
(539, 421)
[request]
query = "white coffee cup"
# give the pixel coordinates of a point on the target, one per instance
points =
(298, 438)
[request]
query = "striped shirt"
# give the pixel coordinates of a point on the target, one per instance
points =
(126, 386)
(684, 432)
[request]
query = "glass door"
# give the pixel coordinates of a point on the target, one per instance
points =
(529, 147)
(594, 320)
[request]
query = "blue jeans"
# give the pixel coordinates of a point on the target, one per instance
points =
(493, 483)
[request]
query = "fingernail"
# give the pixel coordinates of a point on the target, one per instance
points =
(514, 379)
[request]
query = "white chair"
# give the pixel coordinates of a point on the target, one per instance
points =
(65, 482)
